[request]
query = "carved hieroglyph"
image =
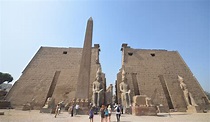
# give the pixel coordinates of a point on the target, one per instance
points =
(188, 96)
(125, 91)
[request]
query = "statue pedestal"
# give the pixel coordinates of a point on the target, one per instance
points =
(142, 106)
(192, 109)
(144, 111)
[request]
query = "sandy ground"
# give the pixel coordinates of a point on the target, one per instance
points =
(34, 116)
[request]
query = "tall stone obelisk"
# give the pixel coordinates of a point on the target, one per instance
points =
(82, 91)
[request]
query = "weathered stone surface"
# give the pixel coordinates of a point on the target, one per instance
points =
(49, 106)
(53, 72)
(85, 63)
(193, 109)
(4, 104)
(144, 111)
(139, 100)
(148, 65)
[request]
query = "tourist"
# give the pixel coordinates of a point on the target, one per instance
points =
(118, 112)
(91, 105)
(91, 114)
(102, 113)
(72, 110)
(106, 113)
(76, 109)
(121, 109)
(110, 112)
(57, 110)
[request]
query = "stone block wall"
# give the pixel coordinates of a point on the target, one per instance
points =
(36, 79)
(148, 65)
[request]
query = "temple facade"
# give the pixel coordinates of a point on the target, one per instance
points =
(65, 74)
(156, 74)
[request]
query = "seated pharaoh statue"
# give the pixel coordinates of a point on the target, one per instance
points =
(97, 89)
(188, 96)
(125, 92)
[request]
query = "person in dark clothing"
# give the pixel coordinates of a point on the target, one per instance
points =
(102, 113)
(118, 112)
(121, 109)
(91, 114)
(72, 110)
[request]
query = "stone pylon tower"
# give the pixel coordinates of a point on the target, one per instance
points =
(82, 91)
(153, 73)
(61, 73)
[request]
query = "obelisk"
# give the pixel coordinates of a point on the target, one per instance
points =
(82, 91)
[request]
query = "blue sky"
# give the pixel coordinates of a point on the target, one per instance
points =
(181, 25)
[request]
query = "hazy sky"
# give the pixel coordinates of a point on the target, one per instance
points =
(181, 25)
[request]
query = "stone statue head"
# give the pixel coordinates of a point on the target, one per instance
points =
(73, 100)
(124, 79)
(98, 74)
(98, 71)
(77, 100)
(82, 100)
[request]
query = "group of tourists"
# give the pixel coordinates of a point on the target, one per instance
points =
(106, 112)
(73, 108)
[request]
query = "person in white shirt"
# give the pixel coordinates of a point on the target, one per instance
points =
(110, 112)
(76, 109)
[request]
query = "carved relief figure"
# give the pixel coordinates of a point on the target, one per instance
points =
(125, 91)
(188, 96)
(97, 89)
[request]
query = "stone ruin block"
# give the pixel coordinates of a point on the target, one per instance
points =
(139, 100)
(4, 104)
(142, 106)
(144, 111)
(142, 100)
